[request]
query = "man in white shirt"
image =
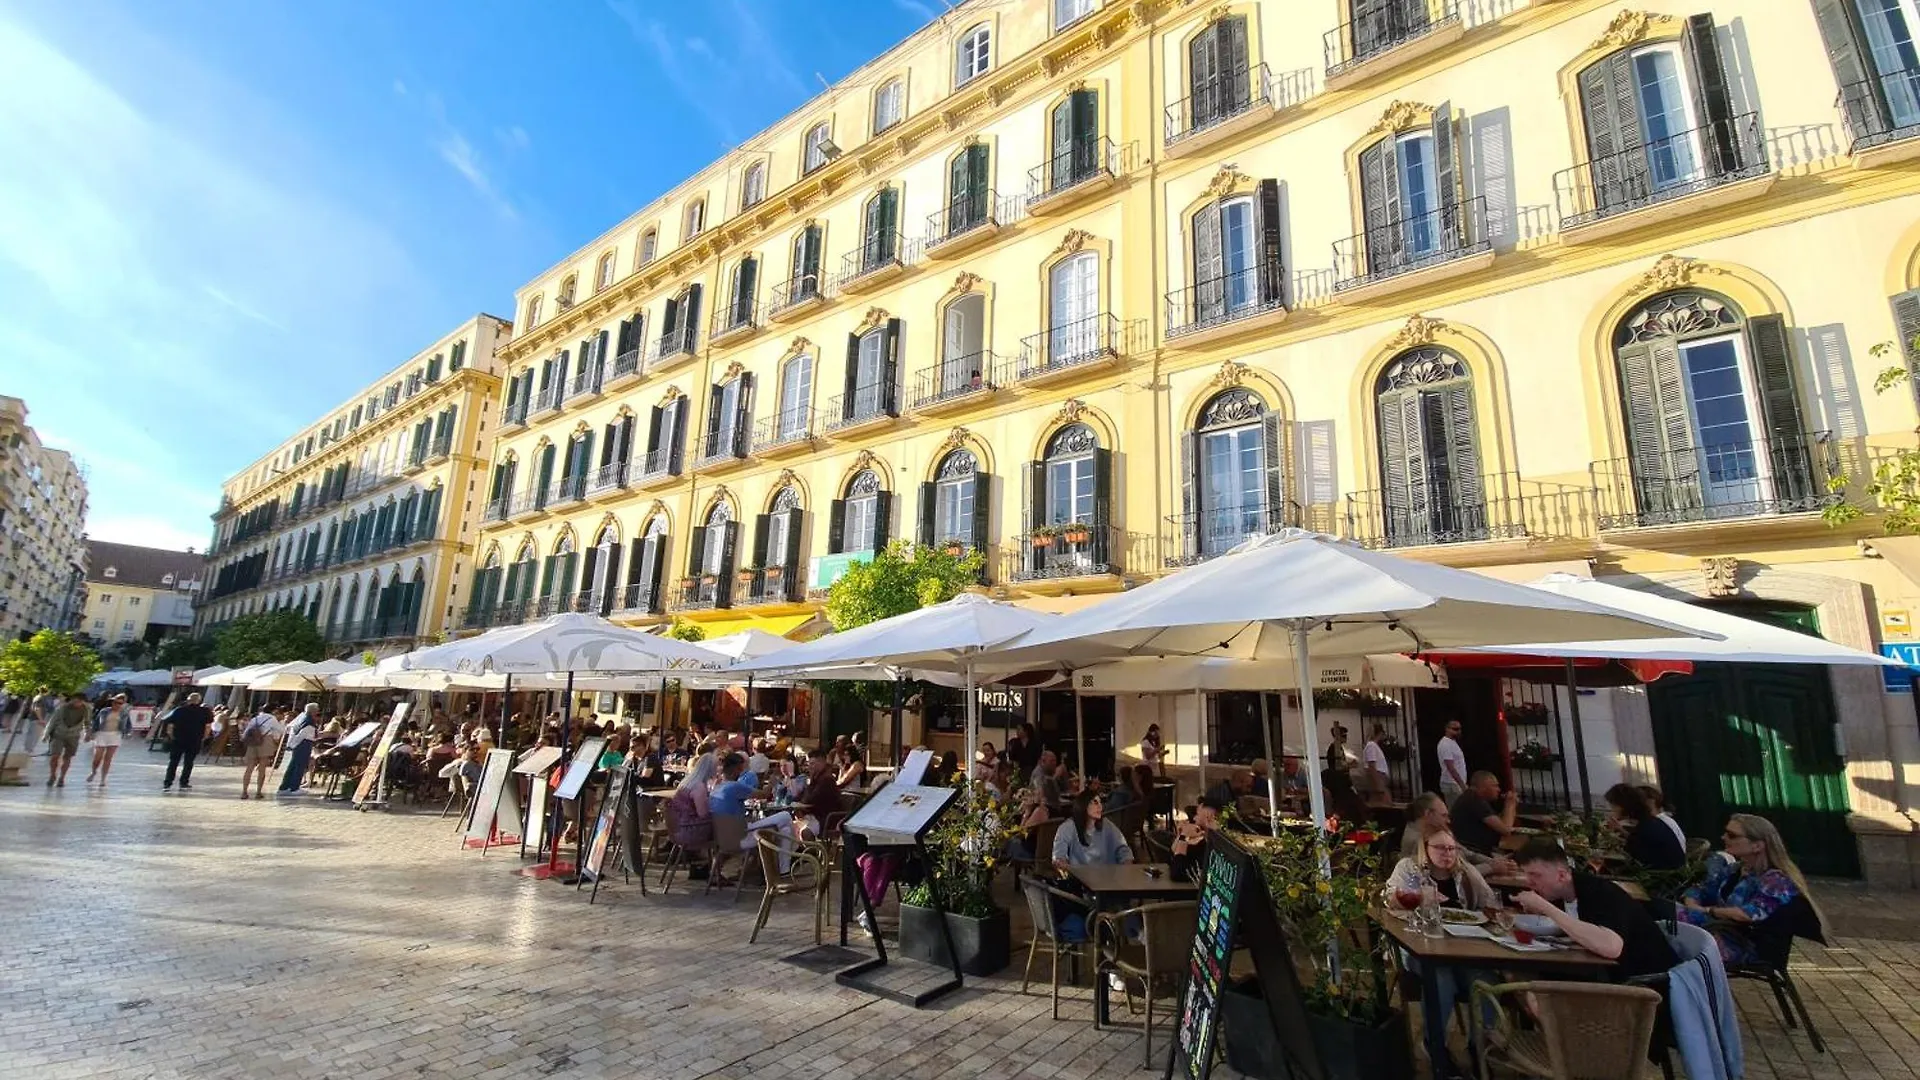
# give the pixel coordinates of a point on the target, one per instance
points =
(758, 763)
(1375, 760)
(1452, 761)
(259, 743)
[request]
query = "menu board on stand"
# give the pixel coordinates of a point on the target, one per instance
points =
(613, 806)
(535, 764)
(496, 806)
(372, 789)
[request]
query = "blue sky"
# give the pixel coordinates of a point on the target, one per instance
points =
(218, 218)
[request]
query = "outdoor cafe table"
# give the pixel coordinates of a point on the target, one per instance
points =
(1128, 882)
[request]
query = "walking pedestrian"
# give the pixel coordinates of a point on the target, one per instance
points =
(187, 726)
(259, 743)
(1452, 761)
(110, 725)
(300, 748)
(63, 736)
(44, 704)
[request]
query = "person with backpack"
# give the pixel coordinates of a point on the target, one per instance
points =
(111, 723)
(259, 743)
(300, 748)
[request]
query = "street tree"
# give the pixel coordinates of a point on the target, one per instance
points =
(904, 577)
(57, 661)
(269, 637)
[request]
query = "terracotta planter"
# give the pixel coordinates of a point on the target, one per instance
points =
(1041, 541)
(1075, 536)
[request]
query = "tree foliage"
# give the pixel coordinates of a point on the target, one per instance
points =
(193, 652)
(682, 630)
(1894, 484)
(60, 662)
(905, 577)
(269, 637)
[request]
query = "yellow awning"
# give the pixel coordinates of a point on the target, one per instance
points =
(779, 625)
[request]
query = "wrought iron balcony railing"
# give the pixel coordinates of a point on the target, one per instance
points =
(550, 398)
(737, 315)
(568, 489)
(1389, 249)
(1218, 100)
(1682, 164)
(797, 290)
(497, 509)
(887, 249)
(1748, 478)
(960, 377)
(640, 598)
(1081, 161)
(657, 463)
(791, 426)
(970, 212)
(1070, 345)
(1444, 509)
(772, 585)
(607, 478)
(1208, 534)
(442, 446)
(1383, 27)
(588, 379)
(728, 442)
(1883, 109)
(1066, 551)
(668, 348)
(1228, 298)
(515, 414)
(870, 402)
(704, 592)
(627, 363)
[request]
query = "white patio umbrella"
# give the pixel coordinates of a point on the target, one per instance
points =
(153, 677)
(302, 675)
(201, 676)
(241, 676)
(944, 637)
(1295, 594)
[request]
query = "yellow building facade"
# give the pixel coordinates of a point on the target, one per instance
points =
(1100, 289)
(139, 593)
(361, 521)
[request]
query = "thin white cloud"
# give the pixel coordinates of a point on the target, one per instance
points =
(695, 92)
(918, 10)
(459, 154)
(220, 296)
(514, 138)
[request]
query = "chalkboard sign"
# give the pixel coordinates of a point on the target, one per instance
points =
(1233, 907)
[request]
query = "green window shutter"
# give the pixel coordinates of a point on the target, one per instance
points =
(1209, 267)
(1462, 445)
(1863, 100)
(929, 492)
(1380, 205)
(1276, 448)
(836, 526)
(1906, 330)
(982, 514)
(1403, 464)
(1273, 270)
(882, 519)
(1191, 512)
(1658, 426)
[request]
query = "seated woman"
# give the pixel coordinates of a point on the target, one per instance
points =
(1439, 864)
(615, 753)
(1648, 840)
(1739, 897)
(820, 799)
(855, 772)
(692, 820)
(1033, 813)
(1085, 838)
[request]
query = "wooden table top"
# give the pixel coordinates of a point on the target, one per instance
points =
(1131, 879)
(1479, 952)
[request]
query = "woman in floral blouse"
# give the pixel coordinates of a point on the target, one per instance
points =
(1745, 890)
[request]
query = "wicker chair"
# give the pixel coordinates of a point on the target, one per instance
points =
(1130, 819)
(729, 840)
(1157, 962)
(1156, 846)
(1041, 837)
(1048, 934)
(814, 879)
(1588, 1031)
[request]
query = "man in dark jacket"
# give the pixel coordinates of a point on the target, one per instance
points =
(188, 725)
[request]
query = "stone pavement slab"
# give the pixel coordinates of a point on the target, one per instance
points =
(195, 935)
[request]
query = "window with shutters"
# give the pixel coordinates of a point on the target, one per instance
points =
(1874, 48)
(649, 247)
(814, 153)
(1220, 83)
(796, 398)
(728, 420)
(604, 276)
(969, 194)
(753, 185)
(860, 513)
(1236, 461)
(1066, 511)
(1075, 151)
(889, 104)
(880, 232)
(973, 56)
(666, 435)
(1076, 327)
(739, 312)
(1414, 210)
(1236, 265)
(803, 274)
(533, 320)
(711, 562)
(776, 553)
(1712, 416)
(645, 567)
(1659, 125)
(557, 577)
(870, 377)
(1377, 26)
(953, 499)
(695, 222)
(1432, 490)
(679, 327)
(965, 367)
(600, 580)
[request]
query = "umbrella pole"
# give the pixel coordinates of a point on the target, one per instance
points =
(1200, 717)
(506, 702)
(1266, 736)
(1079, 734)
(566, 719)
(1579, 738)
(973, 730)
(899, 731)
(1316, 795)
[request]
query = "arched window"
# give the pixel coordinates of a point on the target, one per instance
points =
(1074, 331)
(484, 594)
(696, 220)
(776, 547)
(649, 247)
(1067, 509)
(859, 519)
(964, 364)
(1233, 484)
(880, 237)
(973, 56)
(1712, 414)
(729, 418)
(1871, 45)
(604, 277)
(796, 397)
(872, 378)
(1410, 196)
(815, 156)
(567, 288)
(753, 185)
(713, 559)
(953, 505)
(533, 313)
(889, 105)
(1432, 491)
(601, 577)
(556, 576)
(803, 283)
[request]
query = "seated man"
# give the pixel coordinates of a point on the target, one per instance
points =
(1475, 822)
(729, 799)
(1602, 918)
(1428, 814)
(1227, 792)
(1190, 839)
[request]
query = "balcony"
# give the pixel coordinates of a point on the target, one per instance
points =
(416, 460)
(1070, 350)
(1079, 172)
(550, 399)
(961, 382)
(626, 370)
(1390, 34)
(657, 469)
(568, 490)
(561, 603)
(868, 408)
(1749, 480)
(1882, 117)
(1208, 534)
(669, 350)
(1506, 515)
(1414, 251)
(881, 258)
(587, 381)
(497, 509)
(1241, 302)
(725, 448)
(796, 297)
(789, 432)
(514, 416)
(703, 593)
(968, 221)
(770, 585)
(1683, 175)
(441, 449)
(607, 480)
(1065, 552)
(736, 320)
(637, 600)
(1226, 106)
(530, 503)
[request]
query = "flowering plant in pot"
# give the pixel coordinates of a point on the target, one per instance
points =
(1042, 536)
(965, 847)
(1074, 532)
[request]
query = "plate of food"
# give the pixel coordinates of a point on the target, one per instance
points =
(1462, 917)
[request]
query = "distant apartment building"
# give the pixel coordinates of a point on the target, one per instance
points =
(360, 521)
(139, 593)
(43, 514)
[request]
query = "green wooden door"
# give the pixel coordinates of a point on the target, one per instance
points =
(1759, 739)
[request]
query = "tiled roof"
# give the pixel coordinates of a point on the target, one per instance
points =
(143, 567)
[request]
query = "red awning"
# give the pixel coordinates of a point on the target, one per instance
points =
(1590, 670)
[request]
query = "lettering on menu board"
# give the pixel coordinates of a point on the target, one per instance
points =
(1216, 912)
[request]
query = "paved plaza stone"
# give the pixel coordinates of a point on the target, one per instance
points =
(195, 935)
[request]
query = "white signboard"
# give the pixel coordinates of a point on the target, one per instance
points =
(899, 813)
(538, 761)
(584, 759)
(497, 803)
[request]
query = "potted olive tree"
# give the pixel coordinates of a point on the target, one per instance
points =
(965, 848)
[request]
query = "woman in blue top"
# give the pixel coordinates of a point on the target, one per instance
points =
(1086, 838)
(1742, 893)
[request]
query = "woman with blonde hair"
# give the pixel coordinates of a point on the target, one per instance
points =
(1440, 864)
(1742, 893)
